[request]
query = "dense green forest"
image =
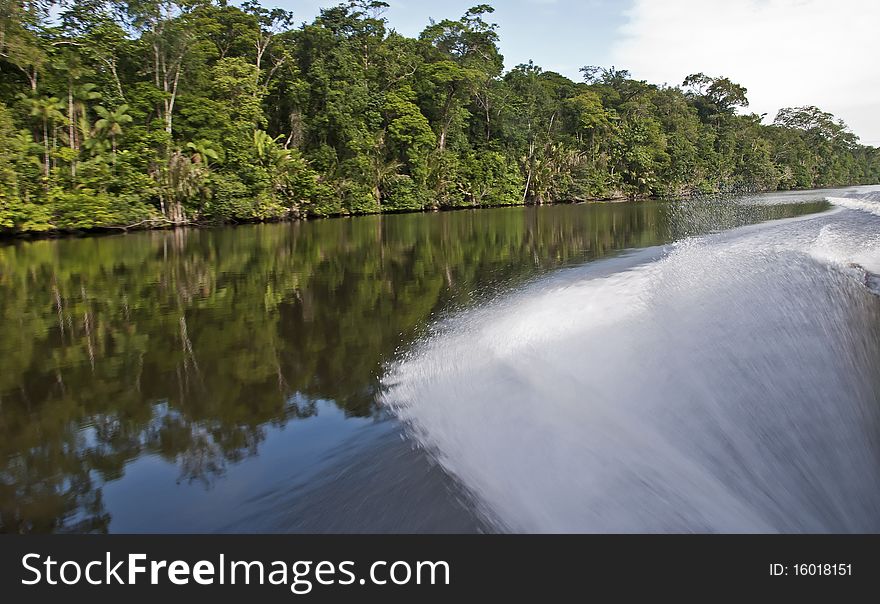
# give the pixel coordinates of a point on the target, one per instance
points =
(155, 112)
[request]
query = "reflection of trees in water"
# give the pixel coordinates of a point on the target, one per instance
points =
(189, 345)
(69, 478)
(39, 485)
(202, 450)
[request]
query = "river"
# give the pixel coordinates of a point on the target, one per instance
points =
(704, 366)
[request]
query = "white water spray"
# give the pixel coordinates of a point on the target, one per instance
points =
(726, 383)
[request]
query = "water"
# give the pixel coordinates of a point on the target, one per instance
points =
(626, 367)
(725, 383)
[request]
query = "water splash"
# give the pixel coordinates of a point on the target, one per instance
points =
(725, 383)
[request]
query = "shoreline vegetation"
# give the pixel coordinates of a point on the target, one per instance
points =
(119, 115)
(161, 225)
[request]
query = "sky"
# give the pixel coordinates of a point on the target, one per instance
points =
(786, 52)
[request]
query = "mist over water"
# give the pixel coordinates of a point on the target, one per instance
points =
(726, 382)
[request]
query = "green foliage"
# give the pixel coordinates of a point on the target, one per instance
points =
(489, 178)
(202, 111)
(9, 187)
(90, 209)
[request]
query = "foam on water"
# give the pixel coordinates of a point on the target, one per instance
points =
(869, 202)
(853, 247)
(729, 384)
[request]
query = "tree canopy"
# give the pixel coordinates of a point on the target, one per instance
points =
(156, 112)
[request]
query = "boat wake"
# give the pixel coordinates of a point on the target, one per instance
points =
(725, 383)
(867, 202)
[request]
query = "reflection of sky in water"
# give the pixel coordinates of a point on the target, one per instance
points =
(151, 499)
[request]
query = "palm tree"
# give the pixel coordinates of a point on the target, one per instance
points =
(111, 123)
(279, 161)
(381, 170)
(77, 99)
(96, 146)
(47, 110)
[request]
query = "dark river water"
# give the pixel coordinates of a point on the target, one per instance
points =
(699, 366)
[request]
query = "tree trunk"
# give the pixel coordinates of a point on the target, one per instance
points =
(111, 63)
(71, 129)
(170, 108)
(446, 120)
(46, 147)
(488, 122)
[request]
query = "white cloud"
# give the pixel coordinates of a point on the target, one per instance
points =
(786, 52)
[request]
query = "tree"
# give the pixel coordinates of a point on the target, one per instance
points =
(816, 122)
(9, 185)
(823, 140)
(269, 23)
(469, 59)
(77, 102)
(162, 25)
(356, 118)
(20, 45)
(715, 95)
(47, 111)
(111, 123)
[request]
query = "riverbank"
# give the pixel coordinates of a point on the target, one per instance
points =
(161, 223)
